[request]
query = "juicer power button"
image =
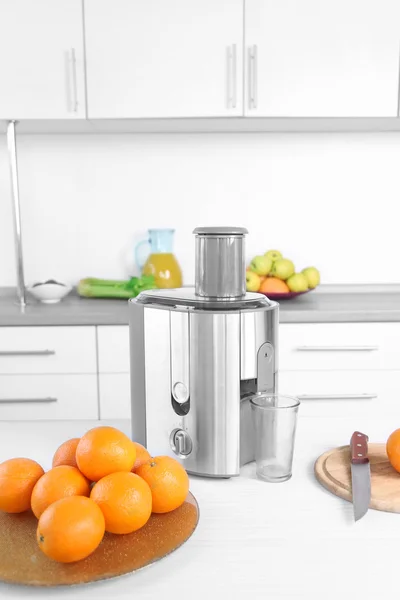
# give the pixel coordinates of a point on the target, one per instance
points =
(181, 442)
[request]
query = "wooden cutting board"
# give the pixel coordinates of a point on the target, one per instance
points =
(21, 560)
(332, 470)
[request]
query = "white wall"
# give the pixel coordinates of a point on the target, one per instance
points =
(325, 199)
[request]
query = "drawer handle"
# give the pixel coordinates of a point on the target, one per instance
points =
(337, 396)
(231, 77)
(74, 85)
(27, 400)
(337, 348)
(27, 352)
(253, 77)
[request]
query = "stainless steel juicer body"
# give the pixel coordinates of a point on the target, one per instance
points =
(196, 355)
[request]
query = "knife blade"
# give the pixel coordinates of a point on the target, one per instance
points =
(360, 474)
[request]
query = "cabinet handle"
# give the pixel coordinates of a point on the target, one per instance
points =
(27, 400)
(337, 348)
(337, 396)
(231, 77)
(27, 352)
(73, 80)
(253, 66)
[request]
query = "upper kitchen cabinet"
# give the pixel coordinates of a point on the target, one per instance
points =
(322, 58)
(158, 58)
(42, 59)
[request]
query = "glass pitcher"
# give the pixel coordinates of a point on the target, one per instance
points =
(161, 262)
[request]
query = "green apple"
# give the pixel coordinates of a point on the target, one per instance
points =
(283, 268)
(261, 265)
(273, 255)
(253, 281)
(297, 283)
(313, 277)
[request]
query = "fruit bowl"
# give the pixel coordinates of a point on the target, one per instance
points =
(276, 278)
(284, 296)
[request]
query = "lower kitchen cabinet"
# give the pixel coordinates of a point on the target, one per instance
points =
(337, 370)
(113, 348)
(338, 346)
(343, 393)
(115, 398)
(48, 397)
(45, 350)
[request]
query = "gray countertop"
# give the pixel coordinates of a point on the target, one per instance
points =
(328, 304)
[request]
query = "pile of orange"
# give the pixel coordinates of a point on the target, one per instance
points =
(393, 449)
(100, 482)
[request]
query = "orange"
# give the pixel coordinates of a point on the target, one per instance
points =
(65, 454)
(125, 501)
(142, 456)
(60, 482)
(18, 477)
(393, 449)
(70, 529)
(168, 481)
(273, 285)
(104, 450)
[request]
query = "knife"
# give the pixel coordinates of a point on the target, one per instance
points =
(360, 474)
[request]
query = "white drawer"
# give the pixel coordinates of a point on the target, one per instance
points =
(115, 396)
(37, 397)
(113, 344)
(339, 346)
(47, 350)
(344, 393)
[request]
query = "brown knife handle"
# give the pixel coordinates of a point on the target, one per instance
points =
(359, 448)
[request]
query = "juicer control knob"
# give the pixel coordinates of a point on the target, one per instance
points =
(180, 392)
(181, 442)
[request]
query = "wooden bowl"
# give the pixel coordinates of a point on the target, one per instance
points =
(22, 561)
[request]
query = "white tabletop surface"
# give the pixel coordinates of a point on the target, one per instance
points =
(254, 540)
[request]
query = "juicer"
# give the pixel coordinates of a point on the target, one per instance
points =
(198, 354)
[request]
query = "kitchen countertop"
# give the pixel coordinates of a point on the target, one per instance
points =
(254, 540)
(327, 304)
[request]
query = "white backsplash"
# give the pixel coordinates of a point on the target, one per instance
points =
(329, 200)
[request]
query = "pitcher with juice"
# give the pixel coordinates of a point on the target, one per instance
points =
(161, 261)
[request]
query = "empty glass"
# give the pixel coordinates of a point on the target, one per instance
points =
(275, 419)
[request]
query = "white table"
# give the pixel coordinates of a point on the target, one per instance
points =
(254, 540)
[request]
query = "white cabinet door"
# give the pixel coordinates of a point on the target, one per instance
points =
(322, 58)
(48, 397)
(152, 58)
(338, 346)
(344, 393)
(42, 59)
(113, 348)
(35, 350)
(115, 396)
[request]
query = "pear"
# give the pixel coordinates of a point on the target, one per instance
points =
(261, 265)
(282, 268)
(273, 255)
(313, 277)
(253, 281)
(297, 283)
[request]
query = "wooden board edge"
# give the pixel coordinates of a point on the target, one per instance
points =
(326, 480)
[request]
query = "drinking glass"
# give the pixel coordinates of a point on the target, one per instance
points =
(275, 420)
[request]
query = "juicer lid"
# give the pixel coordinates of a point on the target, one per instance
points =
(186, 297)
(220, 231)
